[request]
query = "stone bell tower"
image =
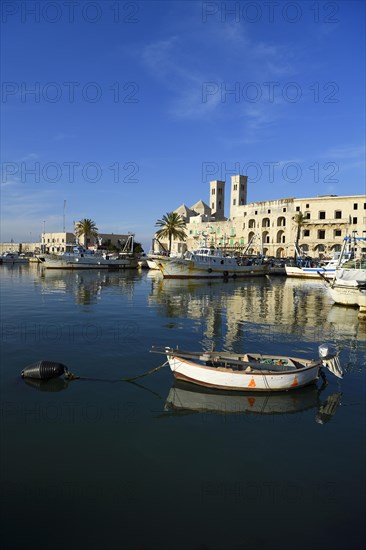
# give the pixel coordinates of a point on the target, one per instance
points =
(238, 197)
(217, 199)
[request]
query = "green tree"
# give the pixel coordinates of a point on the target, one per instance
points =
(172, 227)
(87, 228)
(299, 220)
(137, 248)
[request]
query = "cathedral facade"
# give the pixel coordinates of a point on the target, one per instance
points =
(270, 227)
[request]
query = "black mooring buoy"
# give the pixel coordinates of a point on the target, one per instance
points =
(44, 370)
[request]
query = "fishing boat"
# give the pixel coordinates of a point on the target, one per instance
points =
(248, 371)
(208, 263)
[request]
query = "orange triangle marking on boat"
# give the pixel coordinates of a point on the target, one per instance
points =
(295, 382)
(252, 384)
(251, 400)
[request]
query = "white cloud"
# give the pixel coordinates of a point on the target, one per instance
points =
(346, 152)
(185, 76)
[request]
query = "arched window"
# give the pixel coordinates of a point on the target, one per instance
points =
(265, 237)
(280, 237)
(250, 236)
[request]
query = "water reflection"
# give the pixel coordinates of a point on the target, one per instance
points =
(270, 311)
(54, 385)
(86, 286)
(184, 397)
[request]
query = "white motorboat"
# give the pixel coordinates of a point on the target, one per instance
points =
(348, 293)
(307, 268)
(13, 258)
(210, 263)
(82, 258)
(348, 285)
(153, 260)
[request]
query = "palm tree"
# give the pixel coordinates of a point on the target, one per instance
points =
(299, 220)
(172, 227)
(87, 228)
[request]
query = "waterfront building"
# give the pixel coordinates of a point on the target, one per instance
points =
(58, 243)
(64, 241)
(270, 227)
(23, 247)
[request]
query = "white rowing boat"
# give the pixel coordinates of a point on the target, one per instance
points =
(249, 371)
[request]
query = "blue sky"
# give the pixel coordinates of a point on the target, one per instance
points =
(125, 110)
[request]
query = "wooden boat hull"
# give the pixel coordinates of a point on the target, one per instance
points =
(230, 379)
(154, 259)
(309, 272)
(348, 287)
(151, 264)
(347, 295)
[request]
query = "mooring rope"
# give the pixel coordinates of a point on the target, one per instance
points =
(145, 373)
(71, 376)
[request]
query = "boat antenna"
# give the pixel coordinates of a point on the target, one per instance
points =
(64, 224)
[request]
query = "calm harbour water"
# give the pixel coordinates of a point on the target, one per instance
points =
(102, 463)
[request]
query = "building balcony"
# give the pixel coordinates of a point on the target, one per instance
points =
(328, 221)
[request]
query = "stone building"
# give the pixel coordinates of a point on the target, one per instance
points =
(57, 243)
(64, 241)
(269, 227)
(23, 247)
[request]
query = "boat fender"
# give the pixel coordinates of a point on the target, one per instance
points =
(234, 275)
(226, 273)
(329, 358)
(44, 370)
(209, 270)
